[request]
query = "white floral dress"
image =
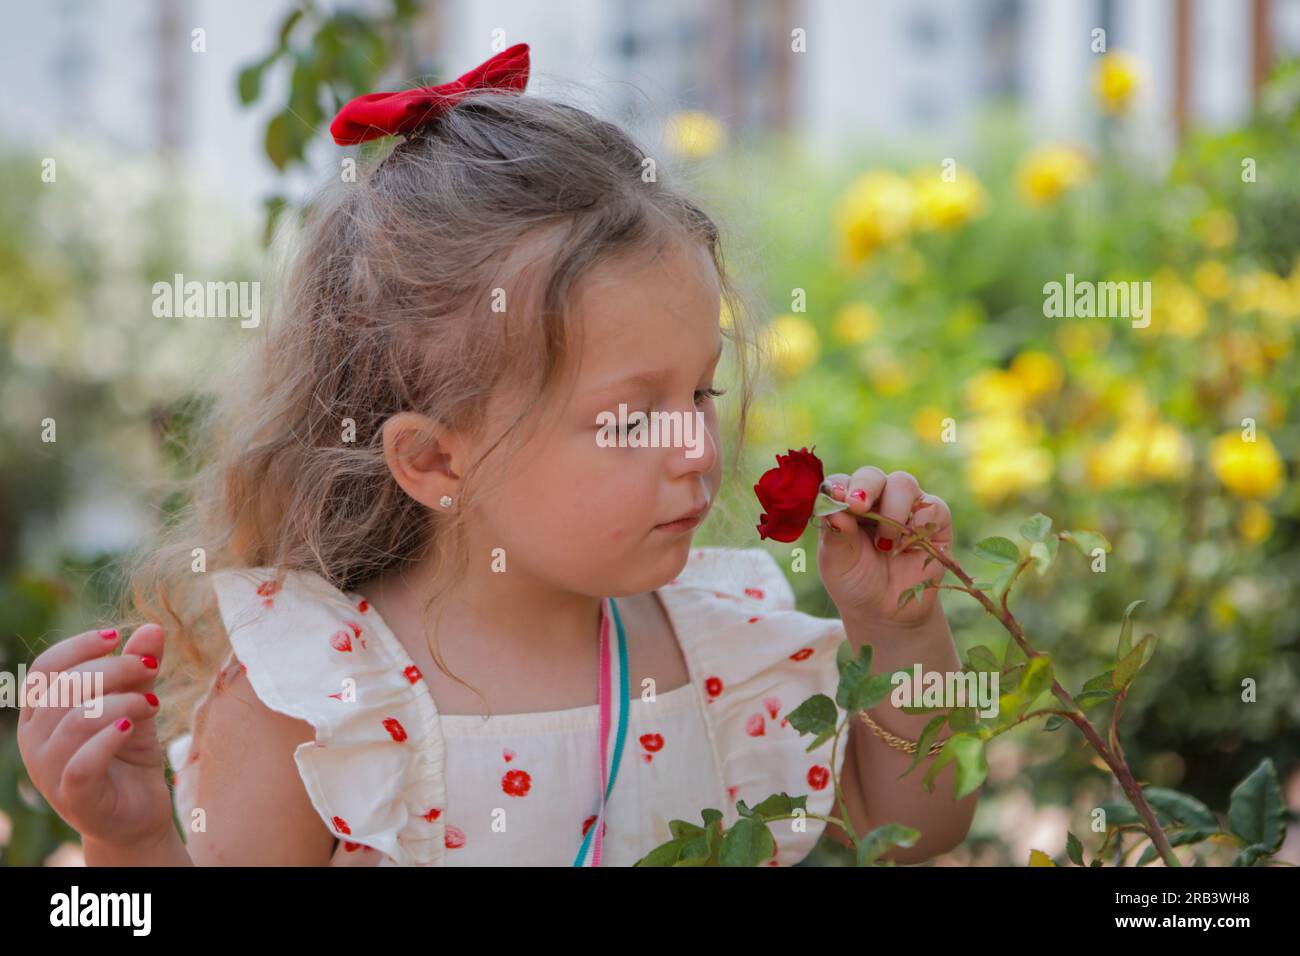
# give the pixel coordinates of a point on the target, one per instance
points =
(402, 785)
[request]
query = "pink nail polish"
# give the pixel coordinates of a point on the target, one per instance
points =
(859, 494)
(109, 634)
(152, 699)
(123, 724)
(149, 661)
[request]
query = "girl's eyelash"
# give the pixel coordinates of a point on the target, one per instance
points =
(711, 392)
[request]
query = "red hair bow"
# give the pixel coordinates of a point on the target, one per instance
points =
(387, 114)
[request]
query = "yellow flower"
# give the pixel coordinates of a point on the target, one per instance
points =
(995, 392)
(1217, 229)
(942, 205)
(1243, 352)
(856, 322)
(1079, 339)
(1265, 292)
(1168, 453)
(1249, 469)
(794, 344)
(1006, 460)
(1116, 81)
(1115, 461)
(928, 424)
(1254, 524)
(1222, 609)
(1212, 280)
(693, 133)
(1176, 308)
(1038, 372)
(1050, 170)
(888, 376)
(875, 211)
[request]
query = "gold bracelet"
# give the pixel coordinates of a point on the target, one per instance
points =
(899, 743)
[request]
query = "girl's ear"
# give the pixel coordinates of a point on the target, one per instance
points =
(421, 455)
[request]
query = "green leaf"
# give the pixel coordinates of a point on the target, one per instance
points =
(1037, 677)
(1249, 855)
(1054, 722)
(1104, 682)
(998, 550)
(780, 805)
(1003, 581)
(941, 760)
(1181, 807)
(282, 141)
(962, 719)
(972, 767)
(1036, 528)
(666, 854)
(858, 687)
(816, 715)
(1126, 631)
(910, 594)
(1177, 838)
(1128, 666)
(250, 80)
(980, 658)
(1087, 541)
(923, 744)
(1256, 811)
(1091, 698)
(882, 839)
(1043, 553)
(1073, 849)
(747, 843)
(1120, 814)
(681, 830)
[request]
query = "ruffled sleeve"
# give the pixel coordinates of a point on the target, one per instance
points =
(313, 652)
(754, 659)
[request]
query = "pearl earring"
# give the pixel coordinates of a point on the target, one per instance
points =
(445, 501)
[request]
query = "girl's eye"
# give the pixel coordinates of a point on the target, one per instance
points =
(709, 393)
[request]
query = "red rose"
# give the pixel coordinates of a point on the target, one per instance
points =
(788, 494)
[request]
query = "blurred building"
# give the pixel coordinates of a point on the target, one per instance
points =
(874, 72)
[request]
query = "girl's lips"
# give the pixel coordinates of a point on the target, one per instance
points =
(682, 524)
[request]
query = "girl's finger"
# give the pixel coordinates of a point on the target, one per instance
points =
(864, 488)
(836, 485)
(901, 490)
(79, 726)
(38, 710)
(84, 775)
(929, 510)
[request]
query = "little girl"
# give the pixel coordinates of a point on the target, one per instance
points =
(416, 614)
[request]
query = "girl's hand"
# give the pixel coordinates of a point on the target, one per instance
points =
(864, 565)
(105, 782)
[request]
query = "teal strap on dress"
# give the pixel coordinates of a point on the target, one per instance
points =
(585, 857)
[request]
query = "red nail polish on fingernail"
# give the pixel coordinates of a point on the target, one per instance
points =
(884, 544)
(152, 699)
(109, 633)
(123, 724)
(859, 494)
(148, 660)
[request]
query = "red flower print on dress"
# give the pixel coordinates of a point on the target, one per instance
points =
(731, 793)
(433, 814)
(586, 825)
(267, 590)
(754, 726)
(516, 783)
(713, 685)
(818, 777)
(454, 837)
(412, 673)
(755, 593)
(363, 606)
(351, 847)
(342, 826)
(356, 630)
(395, 728)
(653, 743)
(773, 705)
(508, 754)
(754, 620)
(341, 641)
(802, 654)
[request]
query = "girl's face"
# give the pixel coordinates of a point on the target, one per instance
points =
(584, 516)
